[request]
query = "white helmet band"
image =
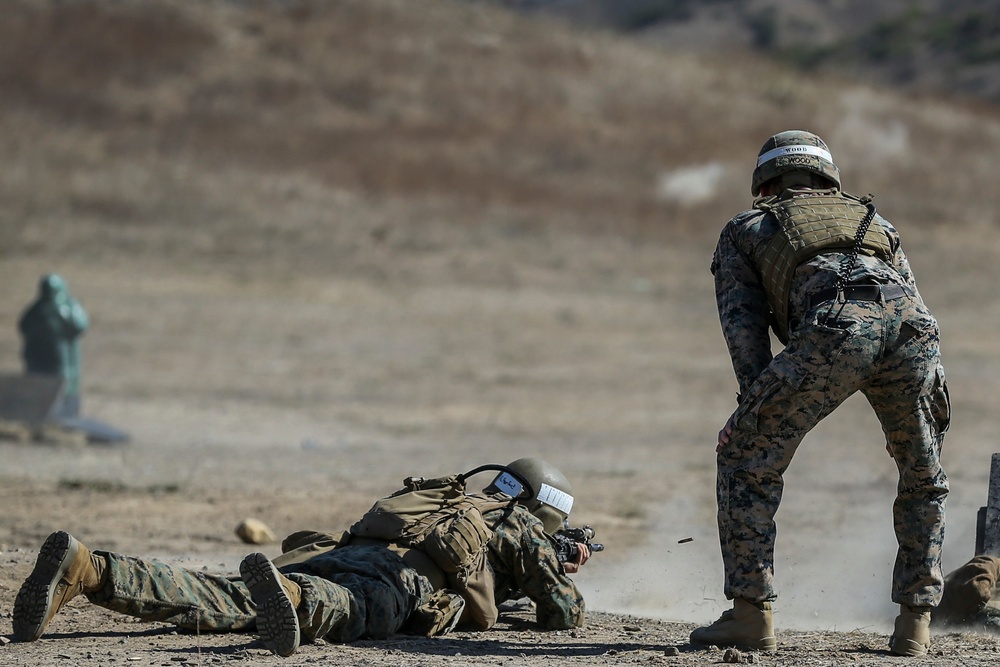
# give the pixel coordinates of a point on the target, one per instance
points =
(552, 496)
(794, 150)
(548, 495)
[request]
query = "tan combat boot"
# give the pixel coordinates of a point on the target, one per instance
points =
(64, 569)
(748, 625)
(276, 597)
(912, 633)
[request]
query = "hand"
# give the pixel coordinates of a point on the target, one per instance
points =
(582, 556)
(725, 434)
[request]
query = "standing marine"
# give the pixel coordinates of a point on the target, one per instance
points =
(826, 273)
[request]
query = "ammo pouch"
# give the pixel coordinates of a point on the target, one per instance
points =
(438, 518)
(457, 543)
(438, 616)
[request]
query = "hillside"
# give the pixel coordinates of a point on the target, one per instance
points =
(327, 245)
(465, 110)
(942, 47)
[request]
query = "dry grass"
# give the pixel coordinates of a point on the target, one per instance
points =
(150, 126)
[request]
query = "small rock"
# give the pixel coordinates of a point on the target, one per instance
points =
(632, 628)
(671, 650)
(4, 641)
(255, 531)
(732, 655)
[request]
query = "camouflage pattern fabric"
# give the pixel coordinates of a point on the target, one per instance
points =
(351, 592)
(987, 620)
(356, 591)
(156, 591)
(889, 351)
(525, 563)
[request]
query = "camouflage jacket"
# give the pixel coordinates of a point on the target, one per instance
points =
(521, 555)
(524, 563)
(742, 302)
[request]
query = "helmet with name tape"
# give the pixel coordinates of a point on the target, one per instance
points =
(794, 150)
(552, 500)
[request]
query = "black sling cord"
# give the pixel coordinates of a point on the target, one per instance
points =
(852, 259)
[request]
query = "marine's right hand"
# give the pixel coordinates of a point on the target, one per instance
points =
(725, 434)
(582, 556)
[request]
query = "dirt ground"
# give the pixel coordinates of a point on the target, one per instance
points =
(286, 332)
(342, 387)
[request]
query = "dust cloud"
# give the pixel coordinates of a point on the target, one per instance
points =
(825, 582)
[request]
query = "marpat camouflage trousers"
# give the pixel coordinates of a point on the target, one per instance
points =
(348, 593)
(888, 351)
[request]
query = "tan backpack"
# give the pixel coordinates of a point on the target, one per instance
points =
(437, 516)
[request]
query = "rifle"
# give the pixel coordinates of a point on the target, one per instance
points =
(568, 539)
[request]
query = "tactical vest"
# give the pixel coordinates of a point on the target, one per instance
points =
(810, 226)
(438, 518)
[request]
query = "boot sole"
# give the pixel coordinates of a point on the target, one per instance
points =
(33, 604)
(277, 622)
(767, 645)
(764, 644)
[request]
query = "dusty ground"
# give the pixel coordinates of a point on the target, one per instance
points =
(621, 383)
(287, 330)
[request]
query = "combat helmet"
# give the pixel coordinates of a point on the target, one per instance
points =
(793, 150)
(552, 498)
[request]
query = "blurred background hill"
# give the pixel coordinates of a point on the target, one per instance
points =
(949, 47)
(142, 119)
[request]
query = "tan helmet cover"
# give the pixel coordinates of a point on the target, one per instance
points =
(553, 499)
(793, 150)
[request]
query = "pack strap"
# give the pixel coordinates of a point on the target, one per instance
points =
(527, 491)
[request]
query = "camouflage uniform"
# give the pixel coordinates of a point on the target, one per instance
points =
(349, 592)
(525, 563)
(887, 349)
